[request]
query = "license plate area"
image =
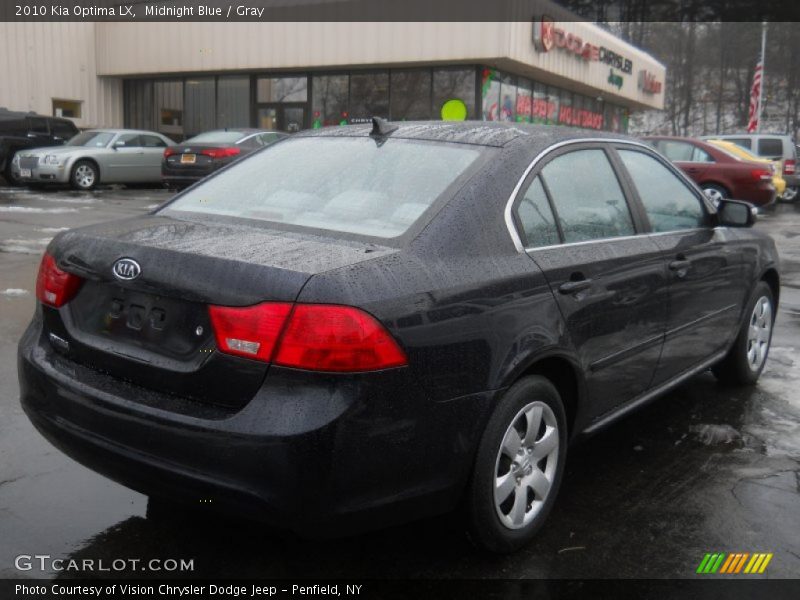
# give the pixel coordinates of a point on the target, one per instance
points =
(25, 173)
(188, 159)
(133, 320)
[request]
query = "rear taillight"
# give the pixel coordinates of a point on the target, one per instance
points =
(337, 338)
(250, 331)
(169, 152)
(316, 337)
(789, 167)
(55, 287)
(761, 174)
(221, 152)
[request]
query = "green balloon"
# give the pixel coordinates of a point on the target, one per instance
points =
(454, 110)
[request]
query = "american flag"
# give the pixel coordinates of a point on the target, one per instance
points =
(755, 92)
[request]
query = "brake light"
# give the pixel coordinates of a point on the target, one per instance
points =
(322, 337)
(789, 166)
(250, 331)
(221, 152)
(54, 286)
(169, 152)
(316, 337)
(759, 174)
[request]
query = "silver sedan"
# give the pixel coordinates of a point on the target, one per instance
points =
(93, 157)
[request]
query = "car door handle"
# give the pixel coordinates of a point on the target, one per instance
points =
(573, 287)
(680, 265)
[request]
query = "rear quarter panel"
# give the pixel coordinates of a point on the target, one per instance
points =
(470, 311)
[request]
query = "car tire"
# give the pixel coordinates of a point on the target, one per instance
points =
(746, 359)
(8, 174)
(715, 192)
(85, 175)
(789, 194)
(504, 510)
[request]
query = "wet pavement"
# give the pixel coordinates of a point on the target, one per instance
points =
(706, 468)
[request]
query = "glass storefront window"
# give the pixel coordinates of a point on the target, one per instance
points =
(329, 97)
(282, 89)
(508, 98)
(553, 102)
(200, 107)
(169, 106)
(369, 96)
(454, 84)
(539, 108)
(524, 101)
(565, 108)
(490, 94)
(233, 101)
(139, 104)
(411, 95)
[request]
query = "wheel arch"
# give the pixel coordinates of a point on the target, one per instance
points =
(564, 372)
(772, 279)
(716, 184)
(89, 159)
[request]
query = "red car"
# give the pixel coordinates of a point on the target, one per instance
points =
(718, 173)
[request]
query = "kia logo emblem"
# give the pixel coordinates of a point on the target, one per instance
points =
(126, 269)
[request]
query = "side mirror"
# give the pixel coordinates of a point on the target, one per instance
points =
(736, 213)
(118, 145)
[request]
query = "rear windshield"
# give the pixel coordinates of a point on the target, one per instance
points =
(349, 185)
(216, 137)
(93, 139)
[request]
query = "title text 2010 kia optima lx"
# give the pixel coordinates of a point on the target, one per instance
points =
(368, 324)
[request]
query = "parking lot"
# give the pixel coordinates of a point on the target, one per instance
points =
(704, 469)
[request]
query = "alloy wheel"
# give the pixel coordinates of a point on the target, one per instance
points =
(714, 195)
(526, 465)
(758, 334)
(790, 193)
(84, 176)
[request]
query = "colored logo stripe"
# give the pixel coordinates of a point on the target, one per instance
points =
(734, 562)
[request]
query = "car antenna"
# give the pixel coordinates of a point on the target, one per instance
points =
(382, 127)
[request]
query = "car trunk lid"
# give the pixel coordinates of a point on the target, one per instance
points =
(154, 330)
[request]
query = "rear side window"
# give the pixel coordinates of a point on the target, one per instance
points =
(536, 217)
(151, 141)
(64, 130)
(129, 140)
(770, 147)
(743, 142)
(38, 125)
(587, 196)
(347, 184)
(670, 205)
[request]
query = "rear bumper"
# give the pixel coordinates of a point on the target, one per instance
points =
(761, 195)
(188, 174)
(311, 453)
(792, 180)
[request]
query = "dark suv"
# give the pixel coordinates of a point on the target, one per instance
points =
(20, 131)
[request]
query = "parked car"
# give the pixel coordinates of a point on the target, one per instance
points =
(742, 154)
(21, 131)
(363, 325)
(719, 174)
(203, 154)
(772, 146)
(93, 157)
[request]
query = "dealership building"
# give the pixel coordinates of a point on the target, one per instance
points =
(181, 78)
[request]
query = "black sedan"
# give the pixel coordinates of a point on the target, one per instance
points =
(203, 154)
(364, 325)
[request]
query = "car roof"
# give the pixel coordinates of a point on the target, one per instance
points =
(115, 131)
(483, 133)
